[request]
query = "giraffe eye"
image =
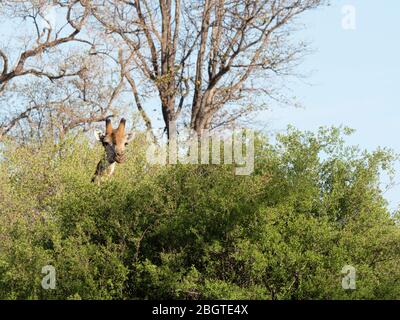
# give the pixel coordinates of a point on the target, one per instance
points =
(126, 143)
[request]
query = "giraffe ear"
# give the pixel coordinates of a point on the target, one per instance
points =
(99, 135)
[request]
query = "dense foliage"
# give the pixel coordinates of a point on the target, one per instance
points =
(312, 206)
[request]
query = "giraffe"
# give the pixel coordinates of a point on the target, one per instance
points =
(114, 142)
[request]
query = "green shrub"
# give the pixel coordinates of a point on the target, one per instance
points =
(312, 206)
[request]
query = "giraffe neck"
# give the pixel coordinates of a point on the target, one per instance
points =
(104, 170)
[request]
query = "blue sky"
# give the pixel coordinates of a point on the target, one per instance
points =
(355, 79)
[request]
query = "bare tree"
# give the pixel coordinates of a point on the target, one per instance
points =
(210, 63)
(45, 39)
(205, 59)
(58, 52)
(41, 108)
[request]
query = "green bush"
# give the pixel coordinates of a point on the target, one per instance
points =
(312, 206)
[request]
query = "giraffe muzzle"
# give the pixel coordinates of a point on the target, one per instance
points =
(120, 158)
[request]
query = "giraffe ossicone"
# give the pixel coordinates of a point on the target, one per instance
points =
(114, 142)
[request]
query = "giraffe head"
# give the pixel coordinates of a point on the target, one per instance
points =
(114, 141)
